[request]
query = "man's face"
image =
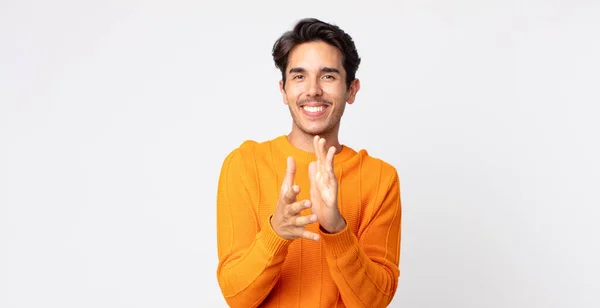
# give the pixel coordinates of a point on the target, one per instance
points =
(315, 88)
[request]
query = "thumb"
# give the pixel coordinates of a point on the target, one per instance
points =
(290, 172)
(312, 169)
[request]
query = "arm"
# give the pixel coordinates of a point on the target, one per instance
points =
(366, 269)
(249, 260)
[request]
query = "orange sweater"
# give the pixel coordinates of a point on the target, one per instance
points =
(357, 267)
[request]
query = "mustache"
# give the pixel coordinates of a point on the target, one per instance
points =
(313, 100)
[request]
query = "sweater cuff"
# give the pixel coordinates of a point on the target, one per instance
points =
(273, 243)
(340, 242)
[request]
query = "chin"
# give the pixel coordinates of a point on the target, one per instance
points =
(313, 127)
(312, 130)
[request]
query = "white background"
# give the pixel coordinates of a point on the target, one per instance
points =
(115, 117)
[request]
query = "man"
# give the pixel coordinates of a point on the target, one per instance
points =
(302, 220)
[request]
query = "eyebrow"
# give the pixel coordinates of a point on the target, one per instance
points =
(324, 70)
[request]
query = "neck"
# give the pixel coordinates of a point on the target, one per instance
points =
(304, 141)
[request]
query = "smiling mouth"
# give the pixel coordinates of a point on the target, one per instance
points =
(314, 111)
(314, 108)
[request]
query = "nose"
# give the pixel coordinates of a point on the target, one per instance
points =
(313, 87)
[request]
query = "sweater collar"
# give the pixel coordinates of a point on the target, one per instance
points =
(304, 157)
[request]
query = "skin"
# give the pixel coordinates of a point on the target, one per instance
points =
(315, 75)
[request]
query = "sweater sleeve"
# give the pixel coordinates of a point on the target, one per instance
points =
(250, 258)
(366, 269)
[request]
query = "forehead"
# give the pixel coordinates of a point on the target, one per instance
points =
(315, 55)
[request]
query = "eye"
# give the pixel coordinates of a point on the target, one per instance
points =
(329, 77)
(298, 77)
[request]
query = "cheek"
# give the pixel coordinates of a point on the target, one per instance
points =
(334, 92)
(295, 92)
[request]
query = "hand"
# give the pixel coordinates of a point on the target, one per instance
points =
(324, 188)
(287, 221)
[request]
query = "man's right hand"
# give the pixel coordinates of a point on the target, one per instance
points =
(287, 221)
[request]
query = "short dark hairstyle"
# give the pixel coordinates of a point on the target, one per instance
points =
(313, 30)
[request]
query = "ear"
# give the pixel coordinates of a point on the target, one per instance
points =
(354, 87)
(282, 90)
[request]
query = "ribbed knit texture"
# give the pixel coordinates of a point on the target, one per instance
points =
(356, 267)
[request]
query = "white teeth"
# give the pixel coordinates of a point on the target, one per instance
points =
(313, 109)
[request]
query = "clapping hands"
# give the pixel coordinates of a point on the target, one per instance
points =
(287, 220)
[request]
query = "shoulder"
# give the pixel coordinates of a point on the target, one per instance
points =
(246, 154)
(248, 149)
(240, 153)
(380, 179)
(371, 163)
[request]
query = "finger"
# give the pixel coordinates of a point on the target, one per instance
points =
(297, 207)
(290, 194)
(318, 176)
(305, 220)
(329, 159)
(309, 235)
(319, 169)
(322, 151)
(290, 172)
(324, 177)
(312, 169)
(316, 146)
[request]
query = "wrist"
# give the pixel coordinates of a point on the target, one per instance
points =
(336, 227)
(273, 243)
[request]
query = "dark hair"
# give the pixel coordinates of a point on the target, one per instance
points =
(312, 30)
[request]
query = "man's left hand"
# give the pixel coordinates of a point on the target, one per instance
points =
(324, 188)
